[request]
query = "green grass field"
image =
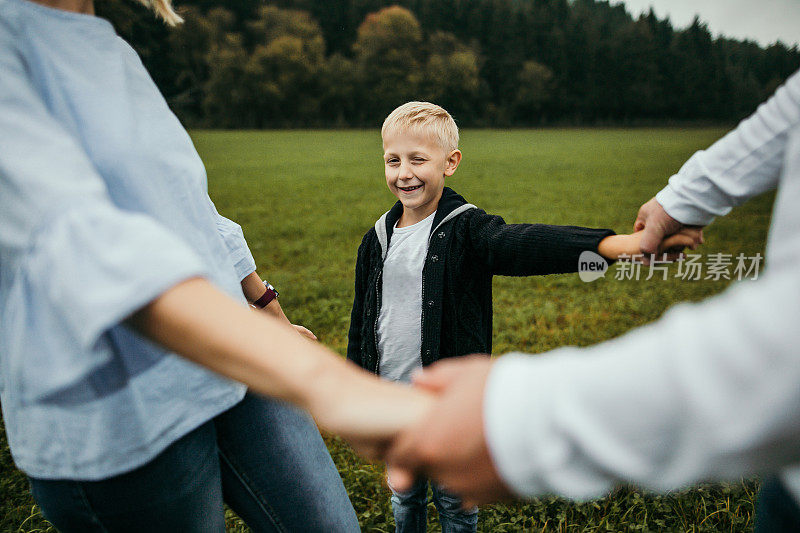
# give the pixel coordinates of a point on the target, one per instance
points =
(305, 198)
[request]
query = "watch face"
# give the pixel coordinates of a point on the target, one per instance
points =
(271, 288)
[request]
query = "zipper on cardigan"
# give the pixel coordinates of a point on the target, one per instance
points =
(377, 315)
(422, 317)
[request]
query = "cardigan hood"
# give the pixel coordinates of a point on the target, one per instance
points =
(451, 204)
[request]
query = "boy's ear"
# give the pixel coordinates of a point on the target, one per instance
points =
(452, 162)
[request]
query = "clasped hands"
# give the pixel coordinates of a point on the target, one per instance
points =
(448, 441)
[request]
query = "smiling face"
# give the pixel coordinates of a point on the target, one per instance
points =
(416, 166)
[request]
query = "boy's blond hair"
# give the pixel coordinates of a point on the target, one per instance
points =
(163, 9)
(424, 118)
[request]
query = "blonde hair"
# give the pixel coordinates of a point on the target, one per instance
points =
(163, 9)
(424, 118)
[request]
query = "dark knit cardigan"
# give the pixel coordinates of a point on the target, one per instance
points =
(467, 247)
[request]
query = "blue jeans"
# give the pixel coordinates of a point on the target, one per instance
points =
(777, 510)
(262, 457)
(411, 510)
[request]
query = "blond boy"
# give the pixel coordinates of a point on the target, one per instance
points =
(423, 288)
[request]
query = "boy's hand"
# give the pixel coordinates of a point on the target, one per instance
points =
(616, 246)
(688, 237)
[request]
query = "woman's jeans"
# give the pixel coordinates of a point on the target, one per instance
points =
(776, 511)
(411, 510)
(265, 459)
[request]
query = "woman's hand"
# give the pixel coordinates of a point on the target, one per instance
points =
(304, 332)
(366, 411)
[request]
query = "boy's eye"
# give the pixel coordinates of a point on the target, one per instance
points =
(392, 161)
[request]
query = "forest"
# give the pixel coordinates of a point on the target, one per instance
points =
(491, 63)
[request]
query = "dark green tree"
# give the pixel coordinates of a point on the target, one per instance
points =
(452, 77)
(316, 62)
(388, 60)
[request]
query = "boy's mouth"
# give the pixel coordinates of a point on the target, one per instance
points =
(410, 189)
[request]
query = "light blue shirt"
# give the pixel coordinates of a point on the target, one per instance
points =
(103, 206)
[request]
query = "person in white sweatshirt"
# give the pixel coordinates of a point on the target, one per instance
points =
(722, 404)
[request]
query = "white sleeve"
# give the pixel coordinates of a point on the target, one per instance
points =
(743, 164)
(709, 391)
(73, 263)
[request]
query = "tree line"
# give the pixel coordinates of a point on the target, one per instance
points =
(311, 63)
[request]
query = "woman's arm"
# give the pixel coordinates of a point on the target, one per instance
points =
(201, 323)
(253, 289)
(61, 235)
(245, 266)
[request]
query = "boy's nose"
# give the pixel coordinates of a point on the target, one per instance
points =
(405, 172)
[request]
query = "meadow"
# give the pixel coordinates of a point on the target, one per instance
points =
(305, 198)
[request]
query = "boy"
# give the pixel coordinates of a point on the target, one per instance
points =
(423, 287)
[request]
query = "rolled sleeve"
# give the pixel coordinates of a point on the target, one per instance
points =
(72, 263)
(87, 270)
(240, 254)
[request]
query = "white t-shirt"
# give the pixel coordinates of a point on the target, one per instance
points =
(400, 317)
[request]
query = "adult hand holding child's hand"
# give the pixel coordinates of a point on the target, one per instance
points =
(448, 443)
(366, 411)
(656, 225)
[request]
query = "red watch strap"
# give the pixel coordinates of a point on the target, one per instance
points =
(264, 301)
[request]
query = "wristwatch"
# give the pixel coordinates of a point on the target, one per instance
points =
(269, 295)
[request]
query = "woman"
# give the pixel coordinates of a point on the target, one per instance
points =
(112, 261)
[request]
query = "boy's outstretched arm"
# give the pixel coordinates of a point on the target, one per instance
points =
(536, 249)
(528, 249)
(627, 246)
